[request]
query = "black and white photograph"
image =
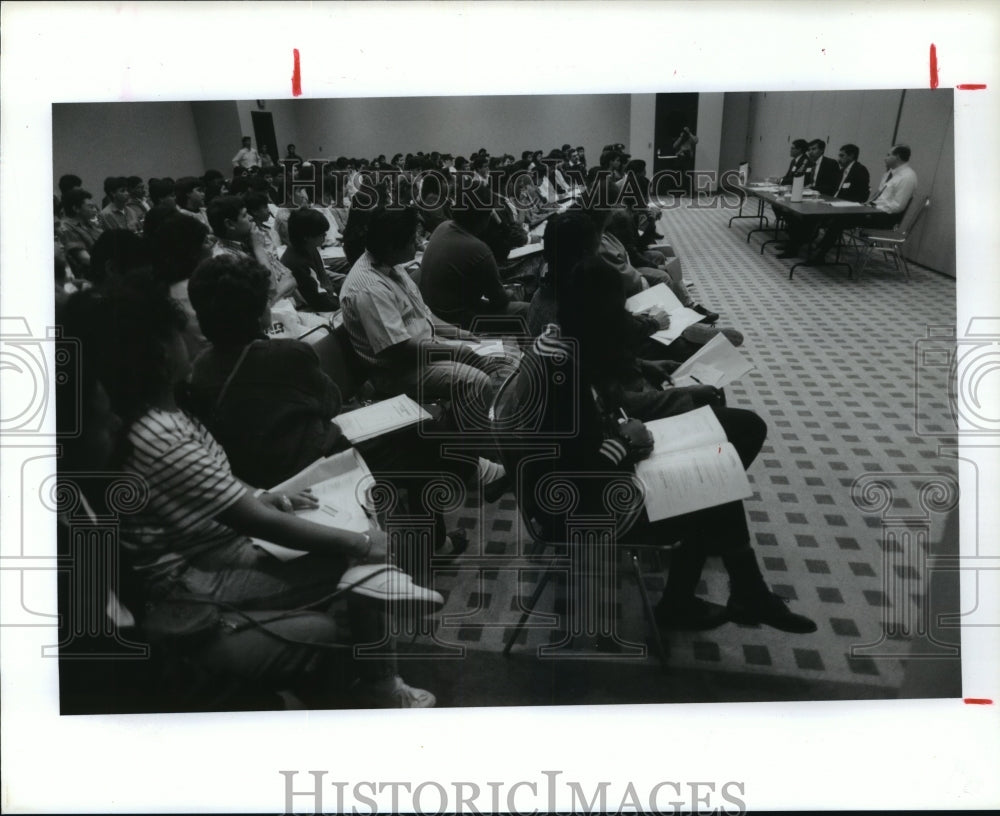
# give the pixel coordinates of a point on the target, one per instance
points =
(610, 408)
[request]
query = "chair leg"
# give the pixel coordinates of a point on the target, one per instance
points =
(661, 652)
(902, 262)
(542, 583)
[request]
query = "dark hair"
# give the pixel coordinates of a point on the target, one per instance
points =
(160, 189)
(590, 304)
(229, 295)
(389, 230)
(211, 175)
(461, 162)
(177, 246)
(637, 166)
(184, 186)
(155, 218)
(132, 181)
(569, 238)
(222, 209)
(68, 182)
(818, 143)
(74, 199)
(902, 152)
(112, 183)
(851, 150)
(306, 223)
(472, 210)
(122, 249)
(255, 200)
(137, 321)
(800, 144)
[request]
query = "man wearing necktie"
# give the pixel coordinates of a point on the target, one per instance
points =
(798, 162)
(893, 196)
(822, 174)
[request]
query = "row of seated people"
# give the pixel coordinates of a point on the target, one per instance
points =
(251, 410)
(847, 179)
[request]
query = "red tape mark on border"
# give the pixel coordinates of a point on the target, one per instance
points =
(971, 86)
(934, 68)
(977, 701)
(296, 74)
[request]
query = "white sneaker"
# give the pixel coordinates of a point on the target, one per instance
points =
(387, 583)
(394, 693)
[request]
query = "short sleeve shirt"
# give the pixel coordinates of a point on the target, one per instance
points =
(382, 310)
(189, 483)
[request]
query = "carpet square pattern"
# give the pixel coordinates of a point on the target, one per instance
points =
(850, 491)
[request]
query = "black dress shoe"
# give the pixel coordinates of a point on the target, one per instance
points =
(459, 542)
(694, 615)
(769, 609)
(710, 316)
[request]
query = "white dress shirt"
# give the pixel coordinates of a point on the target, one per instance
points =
(895, 190)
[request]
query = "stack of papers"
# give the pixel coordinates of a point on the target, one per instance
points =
(716, 363)
(340, 483)
(692, 466)
(661, 297)
(380, 418)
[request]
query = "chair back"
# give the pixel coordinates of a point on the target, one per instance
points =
(913, 214)
(338, 358)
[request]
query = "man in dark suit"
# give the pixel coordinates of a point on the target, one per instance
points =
(798, 162)
(854, 177)
(822, 174)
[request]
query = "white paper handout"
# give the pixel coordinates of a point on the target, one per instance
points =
(716, 363)
(380, 418)
(340, 483)
(522, 251)
(660, 296)
(692, 466)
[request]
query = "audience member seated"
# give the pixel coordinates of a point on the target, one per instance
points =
(409, 349)
(231, 224)
(116, 252)
(267, 252)
(189, 193)
(574, 363)
(79, 229)
(459, 279)
(177, 246)
(116, 214)
(192, 537)
(162, 191)
(270, 405)
(307, 229)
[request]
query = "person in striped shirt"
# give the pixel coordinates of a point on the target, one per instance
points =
(192, 536)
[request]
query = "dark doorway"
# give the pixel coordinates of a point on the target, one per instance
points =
(674, 112)
(263, 132)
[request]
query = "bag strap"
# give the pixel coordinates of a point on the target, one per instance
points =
(232, 374)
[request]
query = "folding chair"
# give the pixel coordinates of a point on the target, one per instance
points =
(890, 242)
(516, 447)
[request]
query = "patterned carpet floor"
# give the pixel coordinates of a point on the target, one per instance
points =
(840, 516)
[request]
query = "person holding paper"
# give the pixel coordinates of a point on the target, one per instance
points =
(191, 536)
(411, 350)
(594, 440)
(273, 408)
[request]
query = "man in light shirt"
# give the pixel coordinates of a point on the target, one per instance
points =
(891, 198)
(247, 157)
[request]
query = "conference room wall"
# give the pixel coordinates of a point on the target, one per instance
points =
(97, 140)
(711, 107)
(867, 119)
(642, 129)
(217, 123)
(927, 125)
(460, 124)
